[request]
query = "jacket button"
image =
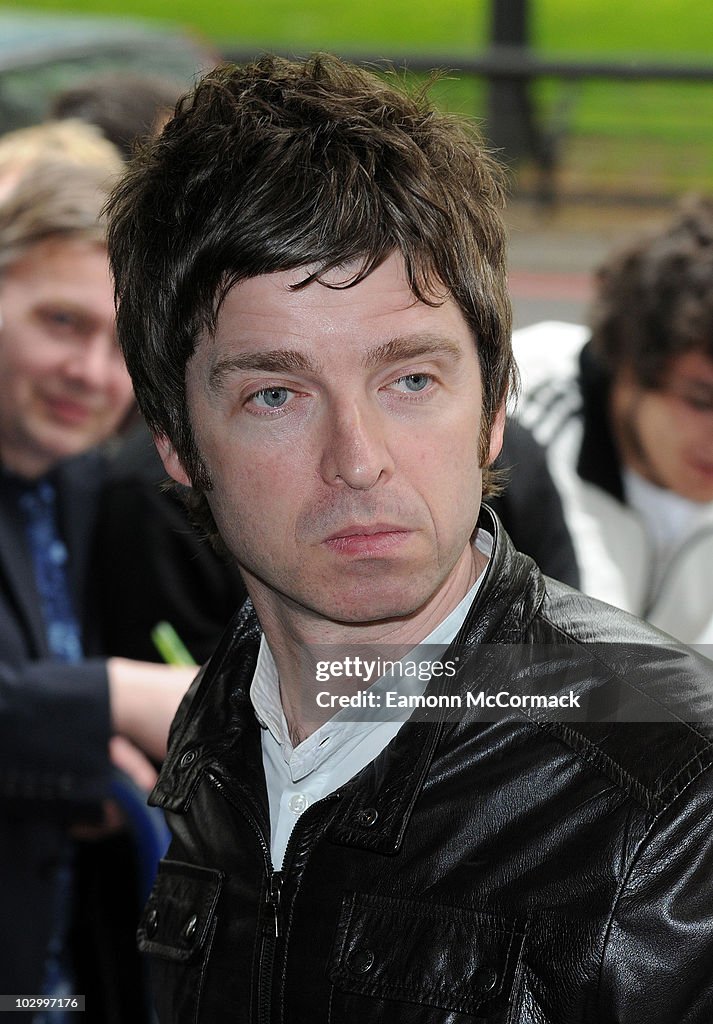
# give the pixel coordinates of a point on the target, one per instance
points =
(189, 928)
(188, 758)
(367, 817)
(485, 979)
(360, 961)
(152, 922)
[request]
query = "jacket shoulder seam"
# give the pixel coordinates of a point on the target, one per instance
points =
(650, 800)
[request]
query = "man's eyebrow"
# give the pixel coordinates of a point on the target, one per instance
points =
(276, 361)
(293, 361)
(412, 348)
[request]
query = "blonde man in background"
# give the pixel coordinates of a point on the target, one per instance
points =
(65, 711)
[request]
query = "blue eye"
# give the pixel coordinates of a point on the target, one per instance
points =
(271, 398)
(62, 321)
(414, 381)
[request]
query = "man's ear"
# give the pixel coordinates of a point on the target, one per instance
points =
(171, 462)
(496, 434)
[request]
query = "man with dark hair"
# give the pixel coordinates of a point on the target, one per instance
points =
(158, 568)
(311, 271)
(626, 416)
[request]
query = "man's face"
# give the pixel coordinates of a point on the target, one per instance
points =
(65, 387)
(340, 428)
(666, 435)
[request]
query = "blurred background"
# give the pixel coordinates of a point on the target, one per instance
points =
(602, 109)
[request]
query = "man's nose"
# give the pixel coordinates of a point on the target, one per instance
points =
(357, 449)
(93, 364)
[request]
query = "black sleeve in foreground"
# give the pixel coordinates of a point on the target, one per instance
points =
(54, 734)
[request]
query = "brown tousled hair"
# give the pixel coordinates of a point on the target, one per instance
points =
(279, 165)
(654, 297)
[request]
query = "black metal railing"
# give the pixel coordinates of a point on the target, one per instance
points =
(513, 123)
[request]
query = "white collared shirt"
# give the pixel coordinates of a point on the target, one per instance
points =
(669, 519)
(298, 776)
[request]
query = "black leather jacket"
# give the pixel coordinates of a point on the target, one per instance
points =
(516, 870)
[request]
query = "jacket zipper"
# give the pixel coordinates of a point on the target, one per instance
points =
(272, 899)
(270, 923)
(271, 918)
(270, 935)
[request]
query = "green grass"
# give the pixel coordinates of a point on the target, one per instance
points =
(663, 27)
(307, 24)
(674, 116)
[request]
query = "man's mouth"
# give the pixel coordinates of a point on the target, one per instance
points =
(367, 538)
(68, 410)
(702, 466)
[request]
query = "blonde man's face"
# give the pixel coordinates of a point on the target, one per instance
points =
(65, 387)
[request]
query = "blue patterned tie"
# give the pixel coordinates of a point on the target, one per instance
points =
(49, 557)
(38, 504)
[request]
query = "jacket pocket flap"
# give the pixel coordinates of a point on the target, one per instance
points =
(180, 910)
(453, 958)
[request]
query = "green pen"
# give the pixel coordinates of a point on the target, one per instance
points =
(170, 646)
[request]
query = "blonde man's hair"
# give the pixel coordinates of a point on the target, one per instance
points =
(71, 140)
(54, 181)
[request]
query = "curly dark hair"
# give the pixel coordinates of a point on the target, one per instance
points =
(281, 164)
(654, 298)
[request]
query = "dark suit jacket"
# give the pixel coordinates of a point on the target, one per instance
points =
(158, 565)
(54, 730)
(61, 703)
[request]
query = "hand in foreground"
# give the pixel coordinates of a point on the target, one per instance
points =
(130, 760)
(144, 698)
